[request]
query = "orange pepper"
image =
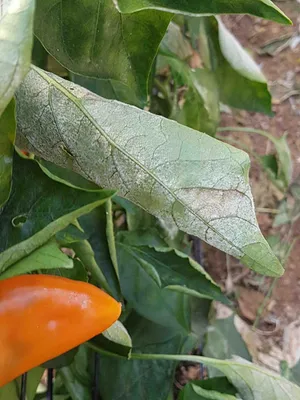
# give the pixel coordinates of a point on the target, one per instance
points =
(43, 316)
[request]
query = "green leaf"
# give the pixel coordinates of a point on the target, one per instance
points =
(94, 225)
(170, 269)
(214, 389)
(174, 42)
(155, 282)
(295, 373)
(160, 305)
(77, 377)
(12, 390)
(261, 8)
(232, 65)
(252, 382)
(177, 174)
(223, 341)
(149, 380)
(108, 88)
(77, 273)
(61, 361)
(7, 140)
(48, 256)
(85, 253)
(200, 109)
(67, 177)
(15, 47)
(107, 46)
(115, 339)
(47, 208)
(70, 234)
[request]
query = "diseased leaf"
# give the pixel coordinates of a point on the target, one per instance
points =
(251, 381)
(107, 43)
(15, 47)
(177, 174)
(261, 8)
(7, 140)
(171, 269)
(232, 65)
(48, 256)
(47, 208)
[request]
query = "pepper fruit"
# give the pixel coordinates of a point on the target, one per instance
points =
(43, 316)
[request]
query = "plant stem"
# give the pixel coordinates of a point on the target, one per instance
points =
(23, 386)
(50, 384)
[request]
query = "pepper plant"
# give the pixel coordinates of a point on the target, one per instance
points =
(108, 160)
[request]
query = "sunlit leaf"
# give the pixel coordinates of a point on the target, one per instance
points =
(15, 47)
(106, 47)
(261, 8)
(48, 256)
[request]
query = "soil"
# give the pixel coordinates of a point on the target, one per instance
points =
(283, 73)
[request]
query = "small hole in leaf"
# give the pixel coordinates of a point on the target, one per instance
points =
(19, 221)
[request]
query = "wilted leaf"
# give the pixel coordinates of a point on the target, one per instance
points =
(48, 256)
(261, 8)
(108, 44)
(180, 175)
(7, 140)
(15, 47)
(45, 208)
